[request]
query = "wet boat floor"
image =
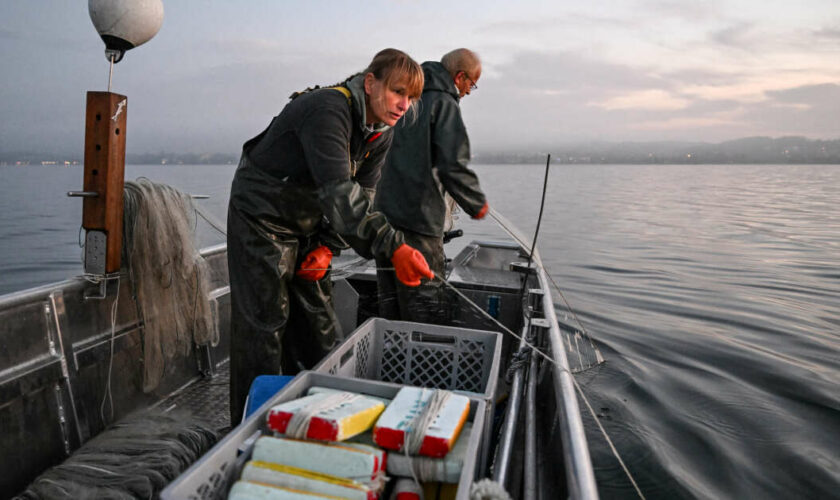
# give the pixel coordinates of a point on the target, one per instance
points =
(207, 399)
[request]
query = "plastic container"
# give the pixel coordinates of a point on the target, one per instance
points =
(461, 360)
(212, 476)
(421, 355)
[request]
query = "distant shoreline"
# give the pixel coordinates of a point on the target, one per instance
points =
(747, 151)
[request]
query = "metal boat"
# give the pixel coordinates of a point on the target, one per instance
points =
(60, 349)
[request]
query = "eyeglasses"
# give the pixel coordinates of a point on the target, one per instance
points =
(473, 86)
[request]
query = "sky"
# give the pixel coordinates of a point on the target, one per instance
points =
(554, 72)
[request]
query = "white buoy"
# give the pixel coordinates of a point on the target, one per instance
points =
(125, 24)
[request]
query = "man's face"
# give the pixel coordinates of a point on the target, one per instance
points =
(466, 82)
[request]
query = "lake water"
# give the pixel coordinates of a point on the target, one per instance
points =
(713, 292)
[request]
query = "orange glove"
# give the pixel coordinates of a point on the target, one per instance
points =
(315, 265)
(410, 265)
(481, 213)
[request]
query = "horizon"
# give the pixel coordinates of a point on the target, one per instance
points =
(541, 148)
(645, 71)
(748, 150)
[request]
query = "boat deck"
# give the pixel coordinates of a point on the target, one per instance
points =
(207, 398)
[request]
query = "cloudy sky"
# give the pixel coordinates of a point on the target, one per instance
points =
(554, 72)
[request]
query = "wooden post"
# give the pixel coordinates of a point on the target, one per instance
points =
(105, 174)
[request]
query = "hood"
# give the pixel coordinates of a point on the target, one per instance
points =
(356, 84)
(437, 78)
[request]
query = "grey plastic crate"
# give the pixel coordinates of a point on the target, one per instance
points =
(419, 354)
(212, 476)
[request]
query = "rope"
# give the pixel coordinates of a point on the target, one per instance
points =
(518, 238)
(551, 360)
(421, 422)
(518, 361)
(487, 489)
(108, 395)
(419, 425)
(337, 271)
(299, 423)
(215, 224)
(599, 358)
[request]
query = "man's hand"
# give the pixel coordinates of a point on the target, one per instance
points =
(481, 213)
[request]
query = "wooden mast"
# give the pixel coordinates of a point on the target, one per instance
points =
(104, 174)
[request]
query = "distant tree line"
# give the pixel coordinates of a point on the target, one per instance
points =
(792, 150)
(181, 159)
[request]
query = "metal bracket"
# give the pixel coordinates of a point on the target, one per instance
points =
(535, 300)
(101, 291)
(540, 323)
(523, 267)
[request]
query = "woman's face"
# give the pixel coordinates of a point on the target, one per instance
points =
(386, 104)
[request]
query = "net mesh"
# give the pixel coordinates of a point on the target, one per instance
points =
(169, 277)
(135, 458)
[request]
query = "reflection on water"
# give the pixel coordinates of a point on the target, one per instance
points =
(40, 227)
(713, 292)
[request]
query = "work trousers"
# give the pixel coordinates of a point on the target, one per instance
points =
(279, 323)
(431, 302)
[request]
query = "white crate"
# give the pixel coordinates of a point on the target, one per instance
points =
(418, 354)
(212, 476)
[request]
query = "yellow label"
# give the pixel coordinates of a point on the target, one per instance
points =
(359, 422)
(299, 492)
(308, 474)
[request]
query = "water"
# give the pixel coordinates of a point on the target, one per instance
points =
(713, 292)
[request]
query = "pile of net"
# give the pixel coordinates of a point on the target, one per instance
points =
(134, 458)
(169, 277)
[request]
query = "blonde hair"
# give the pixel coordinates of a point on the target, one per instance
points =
(391, 66)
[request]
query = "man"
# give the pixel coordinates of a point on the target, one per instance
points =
(428, 160)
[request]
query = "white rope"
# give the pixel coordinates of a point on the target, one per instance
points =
(422, 421)
(419, 425)
(518, 239)
(487, 489)
(577, 386)
(298, 425)
(108, 396)
(432, 469)
(407, 439)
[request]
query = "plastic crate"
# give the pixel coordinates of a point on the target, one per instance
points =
(421, 355)
(212, 476)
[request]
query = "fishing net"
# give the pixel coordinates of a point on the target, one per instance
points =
(169, 277)
(134, 458)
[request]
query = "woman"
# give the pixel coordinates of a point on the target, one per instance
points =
(303, 191)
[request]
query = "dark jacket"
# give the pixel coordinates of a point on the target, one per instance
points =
(428, 157)
(311, 173)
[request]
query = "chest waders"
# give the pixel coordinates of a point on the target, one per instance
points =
(280, 323)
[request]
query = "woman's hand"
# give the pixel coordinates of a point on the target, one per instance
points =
(316, 263)
(410, 265)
